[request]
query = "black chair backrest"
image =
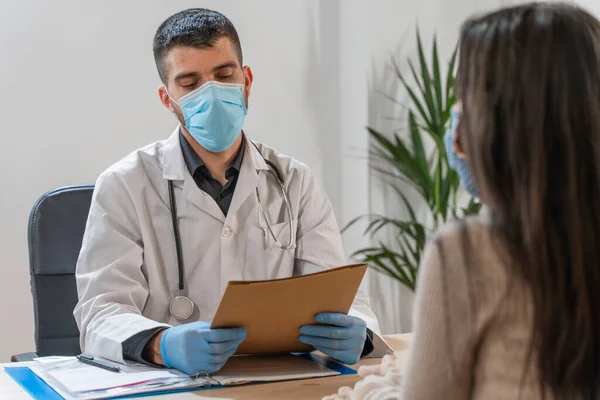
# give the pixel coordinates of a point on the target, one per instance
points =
(56, 226)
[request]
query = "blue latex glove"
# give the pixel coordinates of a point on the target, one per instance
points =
(341, 338)
(194, 347)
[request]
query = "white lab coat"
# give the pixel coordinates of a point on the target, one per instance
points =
(127, 270)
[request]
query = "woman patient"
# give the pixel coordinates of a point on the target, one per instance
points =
(508, 304)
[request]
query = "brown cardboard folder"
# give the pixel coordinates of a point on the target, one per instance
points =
(272, 312)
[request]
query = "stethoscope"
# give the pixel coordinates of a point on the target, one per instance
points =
(181, 307)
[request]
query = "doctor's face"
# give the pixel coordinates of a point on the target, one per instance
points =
(188, 68)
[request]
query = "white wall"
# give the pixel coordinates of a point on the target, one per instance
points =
(78, 87)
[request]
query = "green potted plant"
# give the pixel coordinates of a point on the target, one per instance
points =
(406, 166)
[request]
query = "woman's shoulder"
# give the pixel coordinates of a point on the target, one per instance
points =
(468, 253)
(472, 234)
(467, 249)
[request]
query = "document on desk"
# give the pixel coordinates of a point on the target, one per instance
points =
(244, 369)
(273, 311)
(73, 380)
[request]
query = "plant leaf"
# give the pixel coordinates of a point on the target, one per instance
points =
(392, 175)
(437, 84)
(417, 143)
(472, 208)
(400, 268)
(450, 83)
(415, 99)
(438, 186)
(411, 211)
(401, 158)
(407, 249)
(415, 76)
(427, 84)
(378, 259)
(353, 222)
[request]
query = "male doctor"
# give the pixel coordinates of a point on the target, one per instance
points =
(213, 196)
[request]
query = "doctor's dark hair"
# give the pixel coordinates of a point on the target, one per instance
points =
(198, 28)
(529, 82)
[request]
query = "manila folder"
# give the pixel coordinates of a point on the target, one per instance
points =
(273, 311)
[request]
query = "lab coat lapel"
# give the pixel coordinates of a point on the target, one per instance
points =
(174, 169)
(201, 199)
(249, 177)
(171, 160)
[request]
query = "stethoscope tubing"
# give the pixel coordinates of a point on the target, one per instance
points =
(176, 234)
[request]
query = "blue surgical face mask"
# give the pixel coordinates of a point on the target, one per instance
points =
(214, 114)
(461, 166)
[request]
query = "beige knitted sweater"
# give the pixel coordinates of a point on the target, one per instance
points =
(471, 324)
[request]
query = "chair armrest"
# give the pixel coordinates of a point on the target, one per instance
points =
(23, 357)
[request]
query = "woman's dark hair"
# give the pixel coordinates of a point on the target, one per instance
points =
(529, 81)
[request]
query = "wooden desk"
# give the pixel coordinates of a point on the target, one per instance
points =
(292, 390)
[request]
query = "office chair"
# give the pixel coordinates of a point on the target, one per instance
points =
(56, 226)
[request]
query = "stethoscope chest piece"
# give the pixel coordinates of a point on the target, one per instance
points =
(181, 308)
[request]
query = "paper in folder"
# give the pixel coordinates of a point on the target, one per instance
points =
(70, 379)
(273, 311)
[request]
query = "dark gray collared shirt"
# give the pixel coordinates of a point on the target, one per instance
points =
(204, 179)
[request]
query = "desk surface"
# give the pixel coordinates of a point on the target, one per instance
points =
(303, 389)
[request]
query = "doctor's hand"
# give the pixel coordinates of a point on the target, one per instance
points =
(194, 347)
(341, 338)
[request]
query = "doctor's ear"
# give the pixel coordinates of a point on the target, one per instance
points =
(248, 79)
(165, 99)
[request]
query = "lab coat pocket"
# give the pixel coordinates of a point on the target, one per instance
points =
(265, 259)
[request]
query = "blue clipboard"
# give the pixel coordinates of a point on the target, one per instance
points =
(38, 389)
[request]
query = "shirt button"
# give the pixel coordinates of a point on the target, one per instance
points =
(226, 232)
